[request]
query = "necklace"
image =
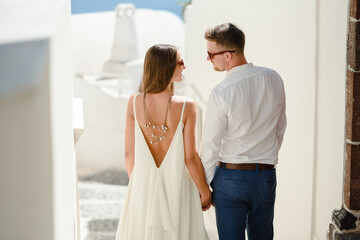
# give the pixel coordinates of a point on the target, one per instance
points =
(156, 133)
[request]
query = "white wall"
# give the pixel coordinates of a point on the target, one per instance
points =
(25, 154)
(37, 171)
(330, 105)
(62, 132)
(282, 35)
(101, 146)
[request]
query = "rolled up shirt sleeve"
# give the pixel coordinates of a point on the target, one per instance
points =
(213, 131)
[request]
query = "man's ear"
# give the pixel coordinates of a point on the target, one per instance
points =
(228, 56)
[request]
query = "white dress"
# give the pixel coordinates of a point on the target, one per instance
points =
(162, 203)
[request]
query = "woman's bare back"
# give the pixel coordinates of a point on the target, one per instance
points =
(156, 105)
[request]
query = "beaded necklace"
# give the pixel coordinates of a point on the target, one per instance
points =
(156, 133)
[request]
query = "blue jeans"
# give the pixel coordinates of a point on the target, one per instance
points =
(244, 199)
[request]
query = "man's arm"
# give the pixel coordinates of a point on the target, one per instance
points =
(281, 125)
(213, 131)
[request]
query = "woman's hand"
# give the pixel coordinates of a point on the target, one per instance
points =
(206, 200)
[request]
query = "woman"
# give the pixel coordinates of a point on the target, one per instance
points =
(163, 201)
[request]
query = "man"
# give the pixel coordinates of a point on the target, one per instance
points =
(244, 126)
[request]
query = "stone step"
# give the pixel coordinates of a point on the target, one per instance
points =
(100, 209)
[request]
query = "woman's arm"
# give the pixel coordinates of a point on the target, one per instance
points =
(129, 137)
(192, 159)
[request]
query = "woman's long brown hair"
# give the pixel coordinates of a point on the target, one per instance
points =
(159, 67)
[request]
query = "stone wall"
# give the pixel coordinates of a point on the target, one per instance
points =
(345, 222)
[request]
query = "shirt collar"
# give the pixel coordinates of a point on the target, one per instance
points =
(239, 68)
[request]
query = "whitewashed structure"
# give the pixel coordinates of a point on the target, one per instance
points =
(37, 164)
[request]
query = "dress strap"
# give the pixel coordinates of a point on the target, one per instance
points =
(182, 111)
(134, 104)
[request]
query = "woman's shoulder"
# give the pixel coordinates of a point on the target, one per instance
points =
(190, 104)
(131, 101)
(134, 95)
(131, 98)
(182, 99)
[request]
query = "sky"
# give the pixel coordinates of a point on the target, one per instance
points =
(86, 6)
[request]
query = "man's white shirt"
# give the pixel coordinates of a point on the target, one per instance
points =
(245, 119)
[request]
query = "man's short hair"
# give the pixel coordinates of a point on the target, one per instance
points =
(227, 35)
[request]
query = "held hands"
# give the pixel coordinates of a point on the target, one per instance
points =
(206, 200)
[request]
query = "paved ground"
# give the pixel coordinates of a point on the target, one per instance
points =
(101, 198)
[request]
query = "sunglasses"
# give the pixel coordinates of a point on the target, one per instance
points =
(211, 55)
(181, 62)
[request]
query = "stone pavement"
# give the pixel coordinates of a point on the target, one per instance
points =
(101, 198)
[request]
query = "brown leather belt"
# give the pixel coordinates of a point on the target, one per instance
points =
(246, 166)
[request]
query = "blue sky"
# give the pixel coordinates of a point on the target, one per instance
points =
(85, 6)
